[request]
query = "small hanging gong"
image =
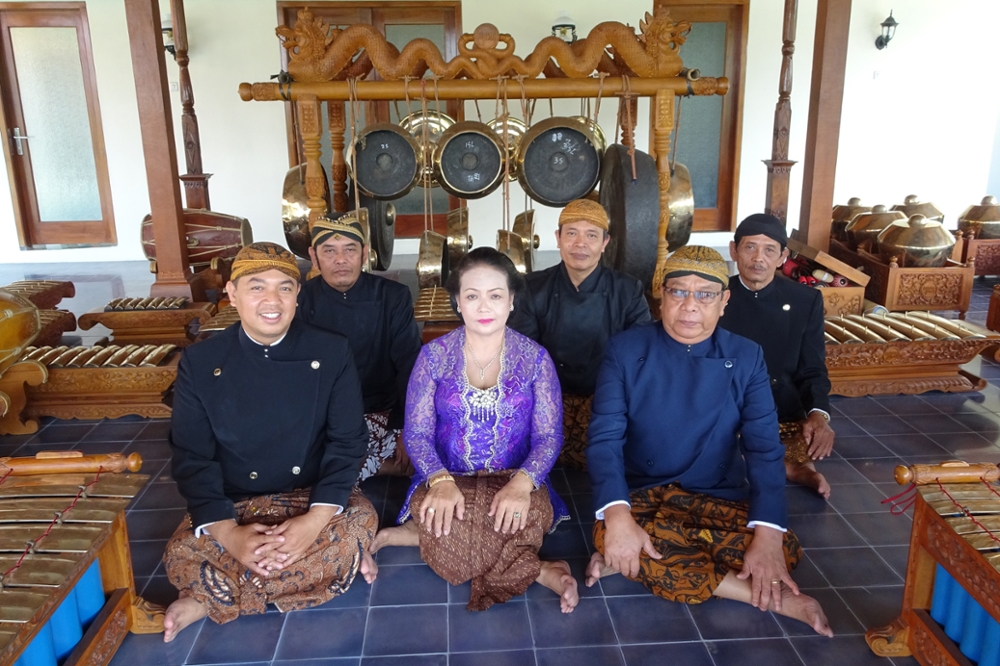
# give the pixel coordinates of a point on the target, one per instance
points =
(388, 161)
(558, 161)
(469, 160)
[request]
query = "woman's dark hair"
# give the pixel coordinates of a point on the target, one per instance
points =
(489, 257)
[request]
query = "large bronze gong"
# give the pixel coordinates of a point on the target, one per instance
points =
(634, 211)
(381, 228)
(557, 161)
(389, 161)
(469, 160)
(295, 209)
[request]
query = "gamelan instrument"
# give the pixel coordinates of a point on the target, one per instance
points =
(951, 598)
(67, 595)
(863, 229)
(920, 242)
(381, 227)
(633, 207)
(558, 161)
(209, 235)
(983, 221)
(19, 326)
(469, 160)
(387, 161)
(295, 209)
(459, 240)
(44, 294)
(512, 129)
(843, 214)
(151, 303)
(913, 206)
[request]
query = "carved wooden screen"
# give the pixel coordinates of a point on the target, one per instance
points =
(399, 22)
(711, 127)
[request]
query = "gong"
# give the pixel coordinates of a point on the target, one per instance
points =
(512, 245)
(633, 208)
(524, 226)
(459, 240)
(381, 227)
(595, 129)
(557, 161)
(681, 198)
(295, 209)
(432, 260)
(469, 160)
(388, 161)
(436, 123)
(515, 129)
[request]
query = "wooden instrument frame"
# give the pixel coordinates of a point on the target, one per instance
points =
(322, 61)
(933, 542)
(155, 327)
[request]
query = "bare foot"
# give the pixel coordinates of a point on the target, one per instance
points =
(805, 474)
(181, 614)
(557, 577)
(597, 569)
(368, 567)
(805, 609)
(407, 534)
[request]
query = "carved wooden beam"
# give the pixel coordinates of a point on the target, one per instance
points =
(663, 125)
(779, 167)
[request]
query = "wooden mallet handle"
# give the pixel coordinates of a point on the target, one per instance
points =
(953, 471)
(70, 462)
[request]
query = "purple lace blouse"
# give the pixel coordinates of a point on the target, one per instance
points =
(448, 428)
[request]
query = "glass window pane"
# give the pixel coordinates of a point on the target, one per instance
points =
(701, 116)
(54, 105)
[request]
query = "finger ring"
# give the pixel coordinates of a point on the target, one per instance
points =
(517, 514)
(430, 509)
(775, 582)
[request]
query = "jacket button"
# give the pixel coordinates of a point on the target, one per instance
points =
(253, 475)
(218, 371)
(641, 359)
(649, 463)
(729, 364)
(315, 365)
(296, 469)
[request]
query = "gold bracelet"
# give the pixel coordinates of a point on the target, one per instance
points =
(438, 478)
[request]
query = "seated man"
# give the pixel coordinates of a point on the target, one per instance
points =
(376, 316)
(683, 417)
(573, 308)
(267, 435)
(786, 319)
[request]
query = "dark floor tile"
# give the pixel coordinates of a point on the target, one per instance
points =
(754, 653)
(502, 627)
(968, 443)
(8, 448)
(914, 444)
(357, 595)
(155, 429)
(557, 479)
(882, 529)
(688, 654)
(874, 606)
(985, 422)
(157, 590)
(805, 501)
(884, 425)
(403, 630)
(146, 557)
(567, 541)
(836, 651)
(410, 584)
(650, 619)
(807, 576)
(840, 617)
(252, 637)
(512, 658)
(859, 447)
(721, 619)
(115, 432)
(592, 656)
(839, 471)
(327, 661)
(954, 403)
(62, 434)
(928, 423)
(322, 633)
(588, 624)
(160, 496)
(877, 470)
(845, 427)
(578, 482)
(15, 440)
(581, 508)
(399, 555)
(150, 650)
(152, 449)
(901, 405)
(861, 407)
(824, 531)
(853, 567)
(858, 499)
(153, 525)
(896, 556)
(98, 447)
(406, 660)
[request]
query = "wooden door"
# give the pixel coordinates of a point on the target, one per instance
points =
(51, 119)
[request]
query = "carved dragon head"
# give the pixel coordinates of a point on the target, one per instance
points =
(308, 39)
(663, 38)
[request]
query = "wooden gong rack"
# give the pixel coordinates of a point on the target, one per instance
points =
(328, 64)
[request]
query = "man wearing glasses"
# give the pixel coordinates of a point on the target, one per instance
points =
(684, 456)
(786, 319)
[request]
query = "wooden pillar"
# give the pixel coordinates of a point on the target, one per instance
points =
(338, 168)
(663, 125)
(195, 180)
(307, 109)
(173, 274)
(779, 167)
(826, 98)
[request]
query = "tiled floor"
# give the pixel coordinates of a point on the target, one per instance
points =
(855, 559)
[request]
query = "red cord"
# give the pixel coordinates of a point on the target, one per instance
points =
(968, 513)
(905, 498)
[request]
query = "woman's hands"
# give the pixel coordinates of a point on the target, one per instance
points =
(511, 504)
(443, 502)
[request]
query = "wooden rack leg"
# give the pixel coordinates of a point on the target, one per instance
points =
(12, 384)
(338, 168)
(663, 124)
(116, 572)
(890, 640)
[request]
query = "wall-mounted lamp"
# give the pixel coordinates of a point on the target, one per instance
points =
(888, 31)
(564, 28)
(167, 28)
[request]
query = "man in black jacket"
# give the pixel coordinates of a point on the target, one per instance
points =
(267, 434)
(573, 308)
(786, 319)
(376, 316)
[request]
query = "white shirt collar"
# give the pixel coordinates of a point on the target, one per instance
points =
(273, 344)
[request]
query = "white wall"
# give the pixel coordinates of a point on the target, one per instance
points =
(926, 125)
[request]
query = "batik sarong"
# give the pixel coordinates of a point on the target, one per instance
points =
(204, 570)
(576, 420)
(381, 443)
(701, 539)
(796, 446)
(501, 566)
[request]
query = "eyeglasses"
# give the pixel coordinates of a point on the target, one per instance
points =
(702, 297)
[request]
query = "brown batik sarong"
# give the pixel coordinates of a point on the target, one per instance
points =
(381, 443)
(576, 420)
(501, 566)
(701, 539)
(796, 446)
(209, 574)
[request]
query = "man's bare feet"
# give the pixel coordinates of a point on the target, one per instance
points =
(805, 474)
(368, 567)
(597, 569)
(407, 534)
(181, 614)
(805, 609)
(557, 577)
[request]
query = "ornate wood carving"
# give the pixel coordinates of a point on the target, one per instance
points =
(54, 324)
(338, 167)
(45, 294)
(927, 650)
(147, 617)
(150, 326)
(195, 180)
(779, 167)
(890, 640)
(112, 636)
(12, 384)
(986, 253)
(876, 385)
(663, 125)
(842, 300)
(965, 564)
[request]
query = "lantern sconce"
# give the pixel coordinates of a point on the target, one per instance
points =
(167, 28)
(564, 28)
(888, 32)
